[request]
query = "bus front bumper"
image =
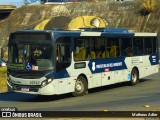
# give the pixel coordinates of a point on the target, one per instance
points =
(46, 90)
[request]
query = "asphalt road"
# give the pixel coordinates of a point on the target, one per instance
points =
(145, 96)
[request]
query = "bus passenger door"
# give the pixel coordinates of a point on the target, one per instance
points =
(63, 61)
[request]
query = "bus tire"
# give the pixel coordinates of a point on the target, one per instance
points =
(134, 77)
(81, 87)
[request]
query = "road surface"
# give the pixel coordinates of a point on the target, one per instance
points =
(145, 96)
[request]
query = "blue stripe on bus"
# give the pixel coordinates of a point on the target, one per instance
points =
(154, 59)
(50, 75)
(59, 75)
(106, 65)
(103, 65)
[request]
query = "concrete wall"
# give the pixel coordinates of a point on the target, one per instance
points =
(124, 15)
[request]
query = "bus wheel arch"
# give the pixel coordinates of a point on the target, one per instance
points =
(134, 76)
(81, 86)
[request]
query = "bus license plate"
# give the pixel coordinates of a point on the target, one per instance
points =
(24, 89)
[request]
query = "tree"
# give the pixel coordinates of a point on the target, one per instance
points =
(147, 6)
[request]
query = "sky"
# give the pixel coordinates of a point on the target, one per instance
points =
(17, 3)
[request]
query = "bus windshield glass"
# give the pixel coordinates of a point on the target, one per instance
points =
(30, 57)
(27, 52)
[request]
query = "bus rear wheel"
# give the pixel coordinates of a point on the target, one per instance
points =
(134, 77)
(81, 86)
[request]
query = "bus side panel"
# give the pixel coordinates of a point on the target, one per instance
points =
(120, 76)
(107, 78)
(113, 77)
(65, 85)
(75, 72)
(153, 66)
(139, 62)
(151, 70)
(143, 64)
(96, 81)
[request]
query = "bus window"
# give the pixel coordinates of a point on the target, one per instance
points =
(138, 46)
(63, 53)
(113, 47)
(81, 49)
(154, 45)
(97, 48)
(148, 45)
(126, 47)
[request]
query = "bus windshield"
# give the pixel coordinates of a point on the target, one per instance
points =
(30, 57)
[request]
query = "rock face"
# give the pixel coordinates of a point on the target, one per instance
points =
(124, 15)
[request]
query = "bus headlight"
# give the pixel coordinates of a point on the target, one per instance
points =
(49, 80)
(46, 82)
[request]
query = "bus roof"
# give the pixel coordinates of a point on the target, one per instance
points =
(123, 32)
(145, 34)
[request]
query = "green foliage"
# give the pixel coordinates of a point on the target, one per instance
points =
(147, 6)
(3, 78)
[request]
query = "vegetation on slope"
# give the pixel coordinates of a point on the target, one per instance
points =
(3, 78)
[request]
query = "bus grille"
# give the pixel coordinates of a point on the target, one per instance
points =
(33, 88)
(27, 76)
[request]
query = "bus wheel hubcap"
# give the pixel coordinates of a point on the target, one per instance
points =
(79, 86)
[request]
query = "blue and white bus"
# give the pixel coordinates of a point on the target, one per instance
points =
(53, 62)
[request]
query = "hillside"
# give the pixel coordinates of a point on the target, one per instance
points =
(125, 15)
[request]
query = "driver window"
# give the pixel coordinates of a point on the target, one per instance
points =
(63, 53)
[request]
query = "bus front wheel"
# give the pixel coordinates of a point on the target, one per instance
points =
(134, 77)
(81, 86)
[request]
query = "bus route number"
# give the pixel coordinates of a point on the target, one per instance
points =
(34, 82)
